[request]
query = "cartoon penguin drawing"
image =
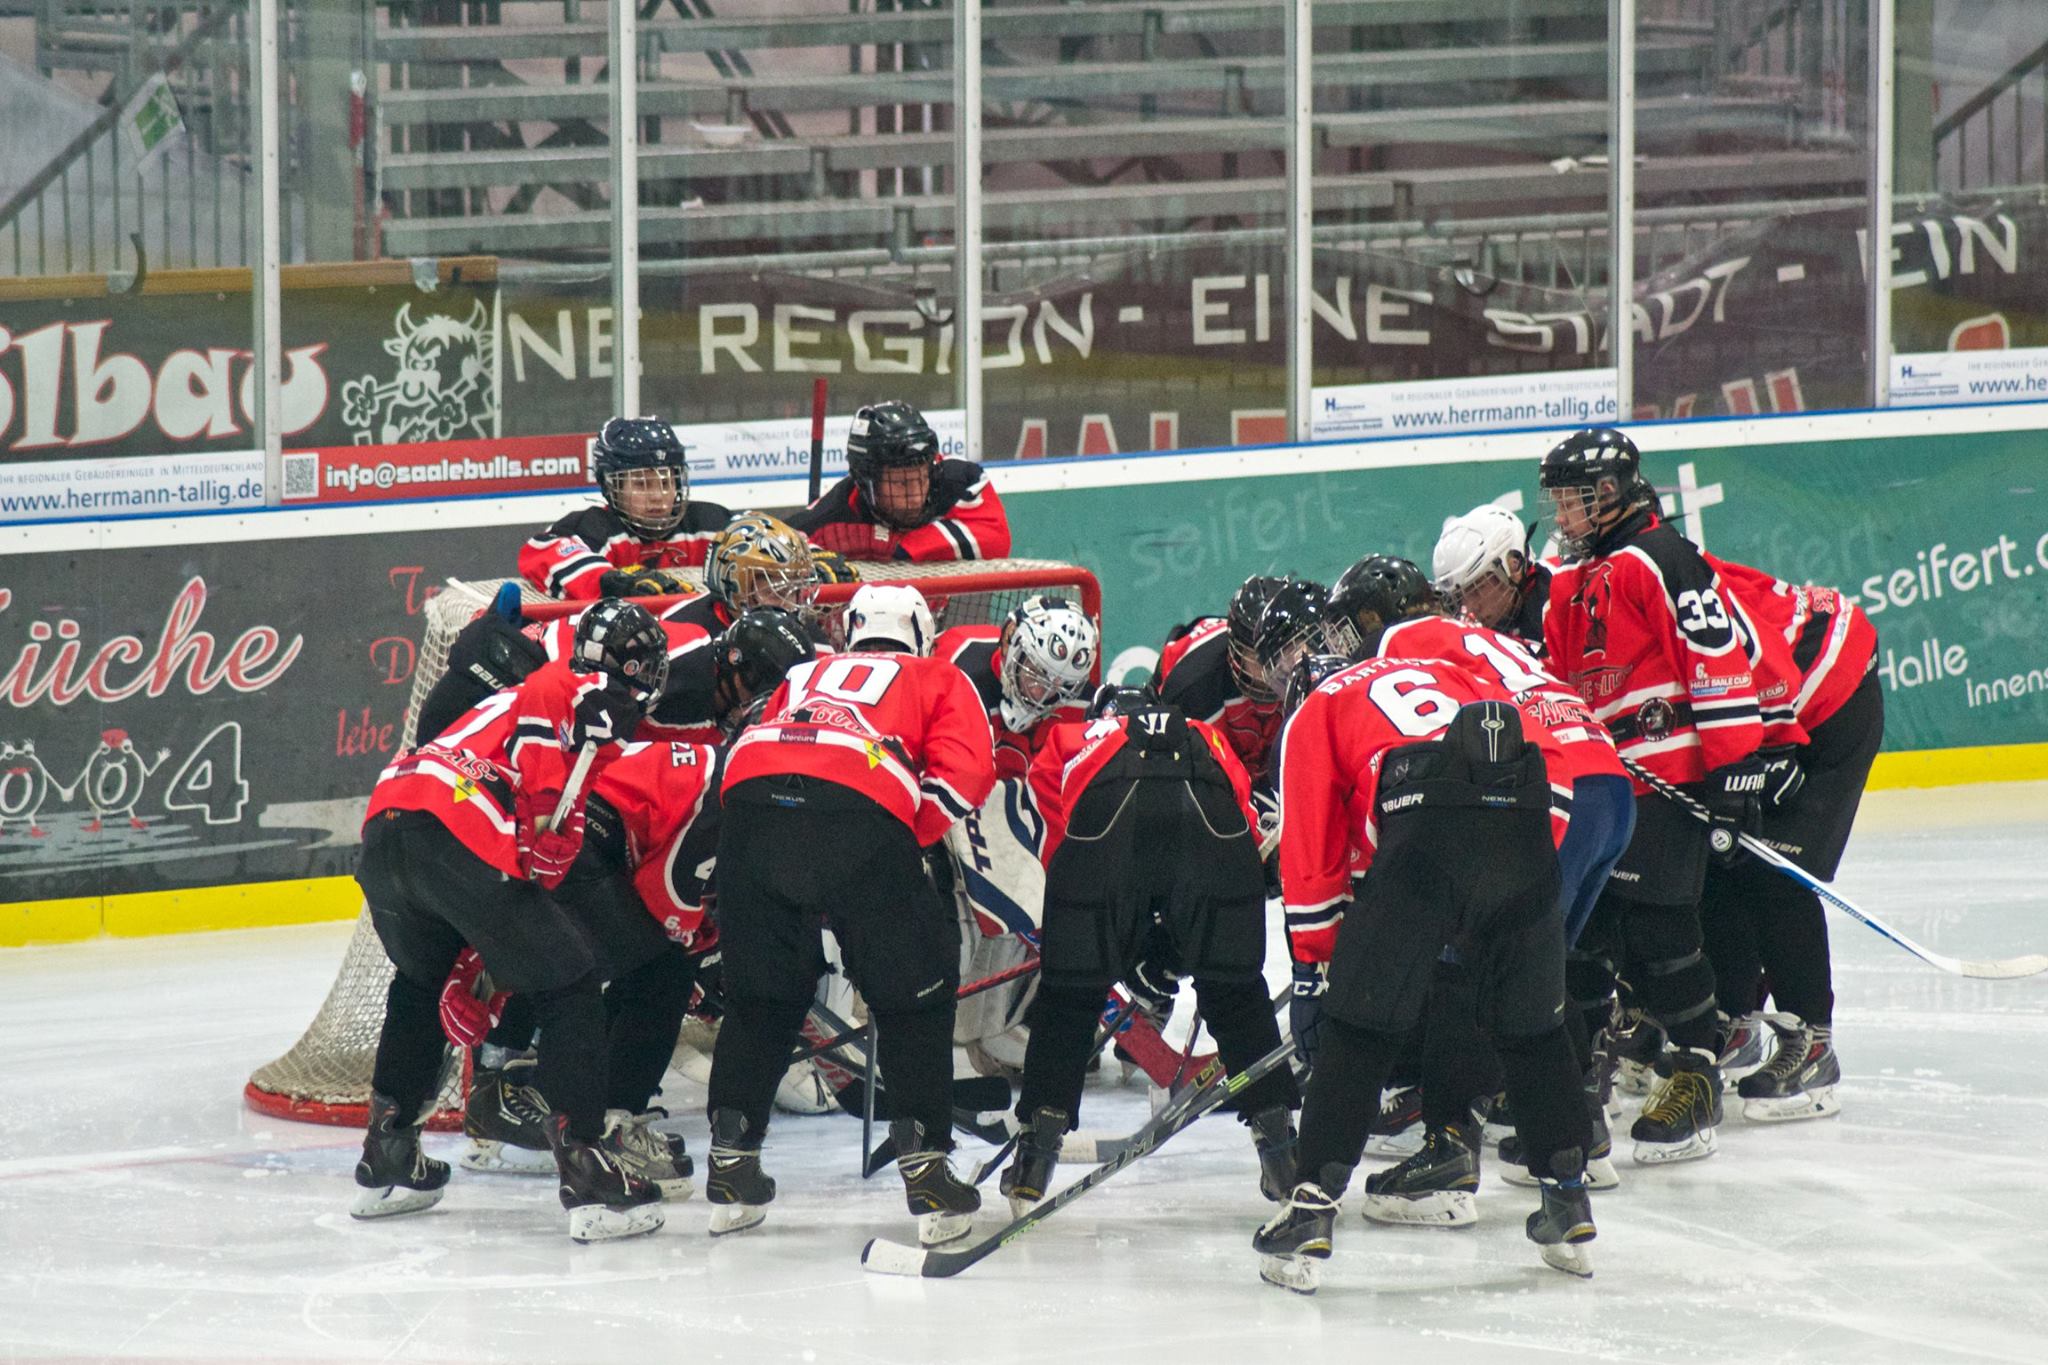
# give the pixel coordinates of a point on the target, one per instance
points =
(114, 777)
(24, 785)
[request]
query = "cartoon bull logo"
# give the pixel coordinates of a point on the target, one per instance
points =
(444, 389)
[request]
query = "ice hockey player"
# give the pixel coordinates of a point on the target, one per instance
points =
(640, 891)
(1644, 629)
(756, 561)
(899, 500)
(834, 800)
(1758, 923)
(1398, 769)
(646, 528)
(710, 690)
(1483, 568)
(1210, 669)
(1383, 607)
(1149, 835)
(459, 850)
(1030, 671)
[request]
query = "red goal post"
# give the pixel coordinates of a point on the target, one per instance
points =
(325, 1076)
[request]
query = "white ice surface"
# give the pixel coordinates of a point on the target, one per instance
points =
(145, 1212)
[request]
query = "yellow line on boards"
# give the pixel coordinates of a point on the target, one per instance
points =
(250, 905)
(1959, 767)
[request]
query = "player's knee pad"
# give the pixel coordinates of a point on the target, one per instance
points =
(1677, 990)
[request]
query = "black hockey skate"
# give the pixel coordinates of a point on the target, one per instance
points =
(1600, 1172)
(1298, 1236)
(1273, 1137)
(1678, 1121)
(1397, 1131)
(1038, 1152)
(605, 1201)
(1742, 1047)
(1564, 1224)
(1497, 1118)
(734, 1182)
(1432, 1189)
(1800, 1079)
(506, 1122)
(658, 1158)
(943, 1202)
(395, 1175)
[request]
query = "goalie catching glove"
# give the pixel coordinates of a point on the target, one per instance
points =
(467, 1017)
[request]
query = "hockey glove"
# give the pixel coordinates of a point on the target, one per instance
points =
(637, 582)
(466, 1017)
(548, 854)
(833, 567)
(1783, 775)
(605, 715)
(1735, 799)
(1305, 1010)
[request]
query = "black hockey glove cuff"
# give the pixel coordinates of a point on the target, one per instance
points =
(1783, 775)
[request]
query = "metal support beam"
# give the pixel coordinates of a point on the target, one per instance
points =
(1880, 123)
(1300, 217)
(1621, 199)
(623, 54)
(967, 273)
(266, 295)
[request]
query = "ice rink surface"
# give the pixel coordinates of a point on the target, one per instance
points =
(145, 1213)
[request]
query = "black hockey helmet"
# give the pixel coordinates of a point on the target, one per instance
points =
(629, 444)
(890, 435)
(1247, 606)
(1370, 596)
(1111, 699)
(757, 649)
(1306, 676)
(1290, 627)
(1599, 471)
(623, 641)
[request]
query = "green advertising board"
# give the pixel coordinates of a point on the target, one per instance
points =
(1943, 540)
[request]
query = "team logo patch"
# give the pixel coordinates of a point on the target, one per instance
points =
(1655, 717)
(874, 752)
(1597, 684)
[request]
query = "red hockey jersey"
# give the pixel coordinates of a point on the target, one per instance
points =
(572, 556)
(906, 732)
(1647, 633)
(1329, 765)
(1831, 643)
(977, 652)
(1194, 674)
(509, 756)
(666, 795)
(1502, 659)
(970, 521)
(1073, 752)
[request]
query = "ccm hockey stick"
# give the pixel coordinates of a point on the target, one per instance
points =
(892, 1258)
(1998, 970)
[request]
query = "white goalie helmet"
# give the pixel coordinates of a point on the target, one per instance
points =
(891, 613)
(1485, 549)
(1049, 653)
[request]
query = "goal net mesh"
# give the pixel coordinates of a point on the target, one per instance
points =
(325, 1077)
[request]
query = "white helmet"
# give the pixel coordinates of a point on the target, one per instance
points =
(893, 613)
(1489, 539)
(1049, 652)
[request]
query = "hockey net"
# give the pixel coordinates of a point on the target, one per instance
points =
(325, 1077)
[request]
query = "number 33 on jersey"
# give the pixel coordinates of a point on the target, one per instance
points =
(908, 733)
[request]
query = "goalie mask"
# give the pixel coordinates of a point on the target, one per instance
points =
(639, 467)
(1480, 562)
(1049, 653)
(622, 641)
(890, 615)
(758, 561)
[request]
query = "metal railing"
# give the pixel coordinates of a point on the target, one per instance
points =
(2004, 150)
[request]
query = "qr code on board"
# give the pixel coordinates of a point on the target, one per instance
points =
(302, 476)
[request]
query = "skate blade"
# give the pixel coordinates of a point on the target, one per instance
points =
(502, 1158)
(730, 1218)
(389, 1201)
(937, 1229)
(1296, 1273)
(1402, 1145)
(598, 1223)
(1437, 1209)
(1810, 1104)
(891, 1258)
(1600, 1175)
(1571, 1258)
(1698, 1147)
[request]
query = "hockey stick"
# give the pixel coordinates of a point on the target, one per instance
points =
(817, 437)
(972, 988)
(1120, 1010)
(892, 1258)
(2001, 969)
(573, 788)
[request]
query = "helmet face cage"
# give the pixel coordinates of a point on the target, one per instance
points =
(642, 474)
(1247, 609)
(1341, 636)
(892, 436)
(1479, 564)
(1289, 629)
(623, 642)
(1593, 479)
(758, 561)
(1049, 650)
